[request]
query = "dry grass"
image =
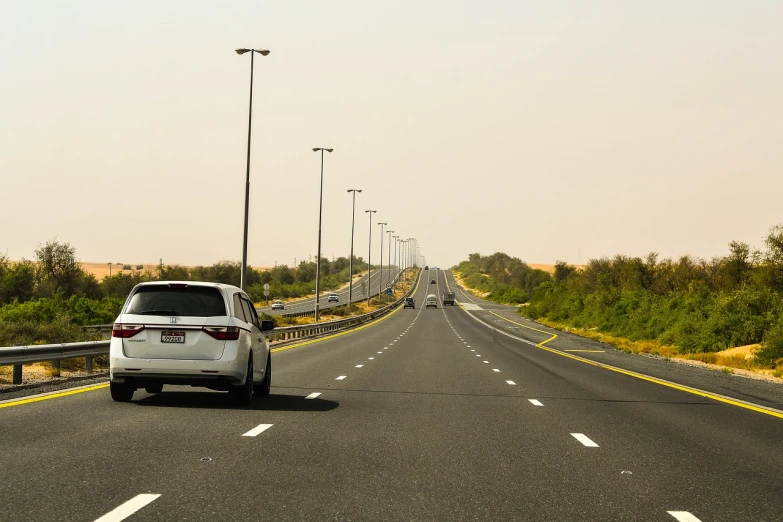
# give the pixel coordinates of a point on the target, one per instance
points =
(461, 282)
(648, 346)
(740, 358)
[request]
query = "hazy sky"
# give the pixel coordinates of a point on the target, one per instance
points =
(548, 130)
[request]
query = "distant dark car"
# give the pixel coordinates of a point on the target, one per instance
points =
(409, 303)
(432, 282)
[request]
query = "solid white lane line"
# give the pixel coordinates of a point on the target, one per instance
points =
(512, 383)
(535, 402)
(258, 429)
(125, 510)
(313, 395)
(359, 365)
(683, 516)
(495, 370)
(340, 378)
(584, 440)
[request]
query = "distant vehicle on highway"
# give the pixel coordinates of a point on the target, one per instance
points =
(447, 298)
(432, 282)
(332, 298)
(431, 301)
(189, 333)
(409, 303)
(278, 305)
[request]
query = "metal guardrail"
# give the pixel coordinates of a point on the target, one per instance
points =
(16, 356)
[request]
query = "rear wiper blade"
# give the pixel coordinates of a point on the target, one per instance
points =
(157, 312)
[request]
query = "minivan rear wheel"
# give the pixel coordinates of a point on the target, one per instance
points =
(264, 388)
(243, 395)
(121, 392)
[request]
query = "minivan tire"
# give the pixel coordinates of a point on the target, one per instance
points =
(121, 392)
(243, 395)
(264, 388)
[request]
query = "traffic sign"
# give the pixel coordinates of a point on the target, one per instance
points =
(266, 286)
(388, 285)
(266, 293)
(388, 291)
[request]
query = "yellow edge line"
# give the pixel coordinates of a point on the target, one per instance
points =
(106, 385)
(53, 396)
(588, 351)
(686, 389)
(542, 343)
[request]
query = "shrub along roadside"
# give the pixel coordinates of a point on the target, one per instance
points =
(686, 307)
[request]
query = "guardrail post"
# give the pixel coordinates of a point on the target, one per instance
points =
(56, 368)
(88, 363)
(17, 379)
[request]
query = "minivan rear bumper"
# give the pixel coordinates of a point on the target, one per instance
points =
(230, 368)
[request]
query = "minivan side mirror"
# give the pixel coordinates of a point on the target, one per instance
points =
(267, 325)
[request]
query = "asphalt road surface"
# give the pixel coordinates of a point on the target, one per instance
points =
(308, 304)
(427, 414)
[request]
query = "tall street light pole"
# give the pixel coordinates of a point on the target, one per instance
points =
(243, 272)
(369, 256)
(396, 262)
(388, 270)
(320, 211)
(380, 267)
(350, 262)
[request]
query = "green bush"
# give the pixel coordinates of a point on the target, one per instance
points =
(771, 351)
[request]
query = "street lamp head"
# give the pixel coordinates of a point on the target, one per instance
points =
(262, 52)
(370, 211)
(242, 51)
(316, 149)
(354, 190)
(383, 223)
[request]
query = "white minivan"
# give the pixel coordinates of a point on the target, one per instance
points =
(189, 333)
(431, 300)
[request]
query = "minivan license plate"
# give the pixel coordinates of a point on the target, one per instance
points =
(172, 337)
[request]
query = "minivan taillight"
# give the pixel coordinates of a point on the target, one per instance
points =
(126, 330)
(223, 333)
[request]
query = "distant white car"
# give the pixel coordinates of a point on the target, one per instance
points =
(278, 305)
(332, 298)
(431, 301)
(189, 333)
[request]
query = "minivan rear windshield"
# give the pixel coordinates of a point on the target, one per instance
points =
(193, 301)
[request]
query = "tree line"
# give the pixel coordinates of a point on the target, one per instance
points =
(693, 304)
(48, 298)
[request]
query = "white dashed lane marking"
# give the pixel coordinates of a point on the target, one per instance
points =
(313, 395)
(125, 510)
(535, 402)
(258, 429)
(683, 516)
(486, 362)
(512, 383)
(371, 358)
(584, 440)
(495, 370)
(359, 365)
(340, 378)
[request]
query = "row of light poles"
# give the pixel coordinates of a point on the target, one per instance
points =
(408, 258)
